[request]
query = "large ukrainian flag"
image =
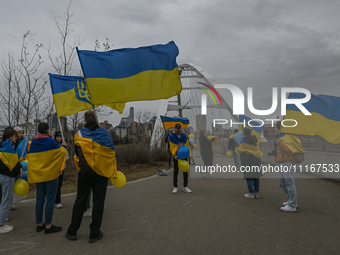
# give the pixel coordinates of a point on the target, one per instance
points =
(98, 150)
(8, 155)
(324, 121)
(256, 131)
(170, 122)
(70, 95)
(46, 160)
(124, 75)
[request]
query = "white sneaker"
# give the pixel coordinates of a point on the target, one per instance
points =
(287, 208)
(175, 190)
(286, 203)
(58, 206)
(248, 195)
(5, 229)
(256, 195)
(186, 190)
(88, 213)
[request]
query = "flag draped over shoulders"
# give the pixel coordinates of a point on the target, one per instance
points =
(46, 160)
(70, 95)
(293, 143)
(98, 150)
(249, 148)
(131, 74)
(174, 142)
(8, 155)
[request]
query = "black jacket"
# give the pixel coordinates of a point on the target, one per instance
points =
(4, 170)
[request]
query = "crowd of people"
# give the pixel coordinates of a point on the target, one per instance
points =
(245, 153)
(47, 157)
(46, 162)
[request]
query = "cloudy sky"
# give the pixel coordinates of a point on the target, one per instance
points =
(229, 39)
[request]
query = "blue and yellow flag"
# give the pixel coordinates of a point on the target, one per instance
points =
(324, 121)
(124, 75)
(174, 142)
(292, 142)
(256, 131)
(8, 155)
(98, 150)
(70, 95)
(170, 122)
(46, 160)
(251, 148)
(22, 149)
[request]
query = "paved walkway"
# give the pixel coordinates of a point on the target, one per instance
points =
(144, 217)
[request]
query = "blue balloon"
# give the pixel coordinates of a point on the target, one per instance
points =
(24, 166)
(183, 152)
(191, 140)
(238, 137)
(24, 176)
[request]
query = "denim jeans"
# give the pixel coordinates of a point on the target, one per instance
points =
(286, 182)
(7, 185)
(253, 185)
(237, 159)
(48, 190)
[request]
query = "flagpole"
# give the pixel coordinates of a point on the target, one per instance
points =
(61, 129)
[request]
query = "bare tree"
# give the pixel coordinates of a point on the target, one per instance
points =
(143, 116)
(33, 85)
(9, 106)
(62, 64)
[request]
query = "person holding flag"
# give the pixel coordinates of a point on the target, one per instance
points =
(95, 158)
(176, 141)
(9, 169)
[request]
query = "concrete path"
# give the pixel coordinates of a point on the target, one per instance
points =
(144, 217)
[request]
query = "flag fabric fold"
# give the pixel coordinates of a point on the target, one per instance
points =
(46, 160)
(8, 155)
(324, 121)
(256, 131)
(70, 95)
(131, 74)
(98, 150)
(170, 122)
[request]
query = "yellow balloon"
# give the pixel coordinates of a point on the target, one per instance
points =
(183, 165)
(194, 145)
(229, 153)
(21, 187)
(237, 151)
(120, 181)
(191, 136)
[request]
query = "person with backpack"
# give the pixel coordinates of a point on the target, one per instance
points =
(231, 146)
(286, 146)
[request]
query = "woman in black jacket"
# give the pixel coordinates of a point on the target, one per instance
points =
(206, 150)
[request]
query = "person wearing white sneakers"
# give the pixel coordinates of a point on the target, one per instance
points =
(176, 141)
(251, 156)
(286, 145)
(9, 169)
